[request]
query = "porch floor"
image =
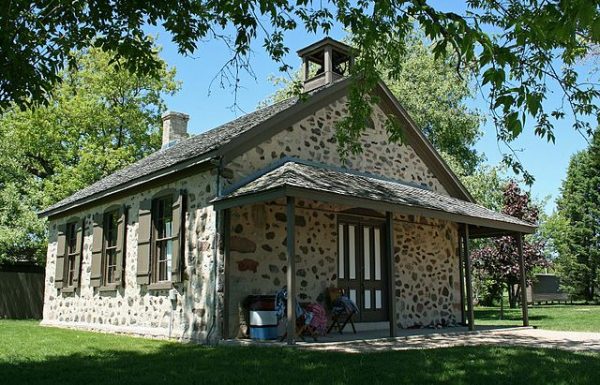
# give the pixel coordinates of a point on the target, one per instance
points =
(348, 340)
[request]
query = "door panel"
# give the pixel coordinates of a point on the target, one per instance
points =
(361, 268)
(352, 252)
(342, 236)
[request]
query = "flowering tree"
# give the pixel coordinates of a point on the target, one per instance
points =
(499, 262)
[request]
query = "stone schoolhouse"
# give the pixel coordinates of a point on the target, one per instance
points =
(171, 245)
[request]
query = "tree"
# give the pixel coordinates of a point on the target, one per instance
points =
(438, 99)
(500, 261)
(518, 47)
(22, 234)
(435, 96)
(579, 205)
(554, 228)
(486, 183)
(100, 118)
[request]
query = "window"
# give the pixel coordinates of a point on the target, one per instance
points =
(108, 248)
(72, 253)
(162, 257)
(160, 237)
(68, 255)
(110, 231)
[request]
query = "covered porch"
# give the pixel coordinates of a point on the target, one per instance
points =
(261, 220)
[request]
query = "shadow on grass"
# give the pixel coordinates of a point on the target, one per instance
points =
(190, 364)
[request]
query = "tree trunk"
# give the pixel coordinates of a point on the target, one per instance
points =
(501, 302)
(513, 295)
(593, 283)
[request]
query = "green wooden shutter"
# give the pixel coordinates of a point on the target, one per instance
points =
(121, 234)
(144, 238)
(178, 241)
(97, 244)
(79, 227)
(61, 249)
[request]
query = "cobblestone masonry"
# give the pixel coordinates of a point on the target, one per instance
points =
(258, 253)
(133, 309)
(313, 138)
(427, 283)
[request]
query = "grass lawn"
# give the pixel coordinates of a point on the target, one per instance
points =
(583, 318)
(30, 354)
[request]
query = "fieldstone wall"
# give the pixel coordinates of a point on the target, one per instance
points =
(132, 308)
(258, 254)
(313, 138)
(425, 259)
(427, 283)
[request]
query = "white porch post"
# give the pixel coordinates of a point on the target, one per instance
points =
(291, 270)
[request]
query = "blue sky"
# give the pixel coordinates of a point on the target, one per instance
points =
(210, 106)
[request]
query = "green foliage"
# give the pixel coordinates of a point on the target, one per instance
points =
(519, 48)
(22, 234)
(438, 98)
(486, 184)
(435, 96)
(554, 228)
(285, 90)
(486, 290)
(98, 119)
(579, 205)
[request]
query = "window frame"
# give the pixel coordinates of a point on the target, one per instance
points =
(71, 254)
(162, 204)
(105, 266)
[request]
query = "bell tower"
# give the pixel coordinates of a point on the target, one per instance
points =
(324, 62)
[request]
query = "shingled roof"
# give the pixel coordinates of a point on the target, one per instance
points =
(321, 182)
(224, 140)
(194, 147)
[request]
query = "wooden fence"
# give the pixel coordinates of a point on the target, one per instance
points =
(21, 291)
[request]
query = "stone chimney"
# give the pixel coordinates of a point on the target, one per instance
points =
(174, 126)
(325, 62)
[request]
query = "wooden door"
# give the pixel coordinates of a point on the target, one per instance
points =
(362, 268)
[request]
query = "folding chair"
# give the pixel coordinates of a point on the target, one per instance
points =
(342, 310)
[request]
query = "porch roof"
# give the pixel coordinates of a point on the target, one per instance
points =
(322, 183)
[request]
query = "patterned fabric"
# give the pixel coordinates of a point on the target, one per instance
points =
(306, 315)
(281, 308)
(281, 303)
(319, 318)
(344, 305)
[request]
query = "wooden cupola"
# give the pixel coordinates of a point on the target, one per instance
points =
(324, 62)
